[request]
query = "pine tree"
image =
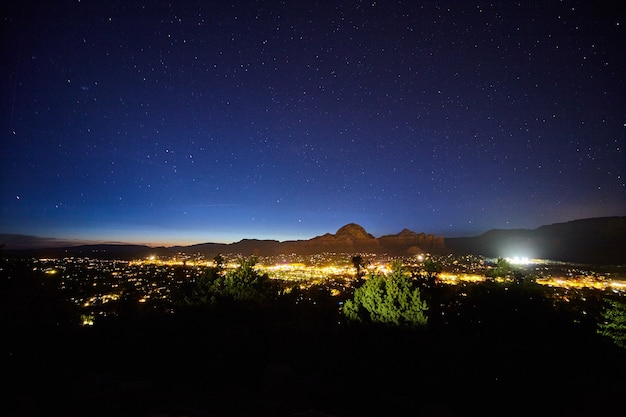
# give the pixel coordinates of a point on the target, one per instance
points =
(388, 300)
(614, 325)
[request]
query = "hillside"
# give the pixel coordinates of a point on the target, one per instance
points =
(596, 241)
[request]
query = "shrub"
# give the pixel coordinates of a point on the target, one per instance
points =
(391, 299)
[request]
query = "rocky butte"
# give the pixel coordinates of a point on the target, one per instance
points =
(353, 238)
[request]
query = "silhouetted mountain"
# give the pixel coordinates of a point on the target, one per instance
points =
(19, 241)
(598, 240)
(353, 231)
(408, 242)
(351, 238)
(101, 251)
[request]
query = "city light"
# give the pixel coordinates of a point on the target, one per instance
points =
(519, 260)
(583, 282)
(99, 283)
(458, 278)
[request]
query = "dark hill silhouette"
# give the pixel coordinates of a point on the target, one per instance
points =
(597, 241)
(351, 238)
(101, 251)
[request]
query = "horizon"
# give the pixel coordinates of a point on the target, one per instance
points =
(158, 238)
(177, 123)
(18, 241)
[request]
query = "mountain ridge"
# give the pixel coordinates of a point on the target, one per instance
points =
(599, 240)
(593, 240)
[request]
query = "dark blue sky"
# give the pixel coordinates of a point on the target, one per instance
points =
(196, 121)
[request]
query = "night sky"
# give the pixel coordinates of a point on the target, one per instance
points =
(194, 121)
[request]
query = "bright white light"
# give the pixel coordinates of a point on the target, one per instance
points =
(518, 260)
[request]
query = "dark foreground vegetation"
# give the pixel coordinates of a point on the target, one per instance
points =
(487, 349)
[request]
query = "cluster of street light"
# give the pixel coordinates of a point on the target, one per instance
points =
(93, 283)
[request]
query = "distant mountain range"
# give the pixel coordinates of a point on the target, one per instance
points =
(596, 240)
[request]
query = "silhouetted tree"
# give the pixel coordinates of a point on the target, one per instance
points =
(243, 285)
(502, 269)
(389, 300)
(202, 291)
(246, 284)
(219, 262)
(432, 270)
(358, 263)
